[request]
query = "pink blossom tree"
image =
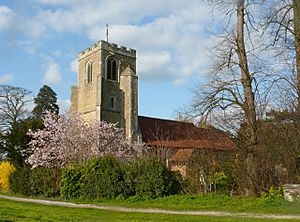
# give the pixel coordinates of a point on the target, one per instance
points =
(68, 138)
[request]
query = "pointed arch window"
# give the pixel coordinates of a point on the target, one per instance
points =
(112, 69)
(89, 71)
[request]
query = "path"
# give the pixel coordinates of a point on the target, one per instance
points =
(153, 211)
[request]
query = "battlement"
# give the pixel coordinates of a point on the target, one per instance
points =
(112, 47)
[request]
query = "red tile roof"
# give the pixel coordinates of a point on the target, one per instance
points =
(182, 155)
(176, 134)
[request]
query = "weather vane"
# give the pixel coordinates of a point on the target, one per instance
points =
(106, 32)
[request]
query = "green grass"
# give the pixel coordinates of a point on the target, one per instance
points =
(215, 202)
(18, 211)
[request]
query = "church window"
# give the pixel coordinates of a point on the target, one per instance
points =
(112, 102)
(89, 71)
(112, 69)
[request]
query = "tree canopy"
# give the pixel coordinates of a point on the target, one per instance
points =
(46, 100)
(13, 102)
(68, 138)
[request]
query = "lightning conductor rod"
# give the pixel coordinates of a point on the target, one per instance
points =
(106, 32)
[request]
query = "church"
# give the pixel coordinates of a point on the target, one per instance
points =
(108, 90)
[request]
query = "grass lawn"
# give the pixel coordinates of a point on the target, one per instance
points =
(18, 211)
(215, 202)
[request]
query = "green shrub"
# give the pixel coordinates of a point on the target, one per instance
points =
(154, 179)
(273, 197)
(192, 185)
(223, 182)
(106, 177)
(19, 181)
(45, 182)
(71, 182)
(131, 170)
(36, 182)
(102, 177)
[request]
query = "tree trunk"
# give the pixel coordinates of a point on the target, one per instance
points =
(249, 104)
(296, 7)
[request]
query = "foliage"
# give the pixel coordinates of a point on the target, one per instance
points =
(20, 181)
(45, 182)
(68, 138)
(132, 169)
(192, 185)
(223, 182)
(215, 182)
(276, 159)
(71, 185)
(209, 171)
(107, 177)
(16, 140)
(36, 182)
(102, 177)
(46, 100)
(154, 179)
(6, 169)
(99, 177)
(273, 197)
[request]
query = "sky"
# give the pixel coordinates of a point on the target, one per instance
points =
(40, 41)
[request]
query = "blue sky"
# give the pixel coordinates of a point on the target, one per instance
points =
(40, 40)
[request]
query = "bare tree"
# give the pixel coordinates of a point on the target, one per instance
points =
(233, 85)
(239, 83)
(282, 19)
(13, 102)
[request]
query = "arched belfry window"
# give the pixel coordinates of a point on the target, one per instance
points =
(89, 71)
(112, 69)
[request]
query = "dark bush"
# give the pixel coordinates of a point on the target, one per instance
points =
(192, 185)
(36, 182)
(19, 181)
(155, 180)
(45, 182)
(223, 182)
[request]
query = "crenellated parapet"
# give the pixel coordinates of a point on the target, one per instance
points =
(110, 47)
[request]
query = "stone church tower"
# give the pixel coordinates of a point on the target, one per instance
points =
(107, 86)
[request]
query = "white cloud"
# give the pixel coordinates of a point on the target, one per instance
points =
(52, 74)
(6, 78)
(30, 105)
(170, 36)
(74, 66)
(153, 60)
(57, 2)
(57, 53)
(64, 105)
(6, 17)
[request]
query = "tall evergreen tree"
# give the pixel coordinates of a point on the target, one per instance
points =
(45, 100)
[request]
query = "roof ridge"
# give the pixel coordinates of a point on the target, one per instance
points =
(167, 120)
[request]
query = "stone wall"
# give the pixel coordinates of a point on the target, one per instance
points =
(92, 99)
